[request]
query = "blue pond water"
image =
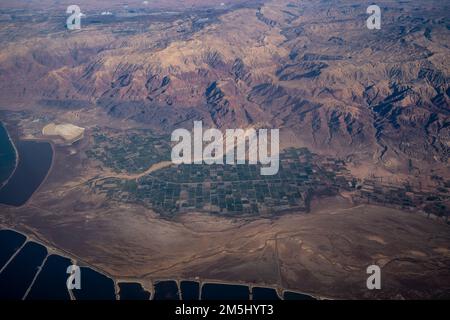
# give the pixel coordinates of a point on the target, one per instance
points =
(18, 275)
(95, 286)
(7, 156)
(212, 291)
(132, 291)
(190, 290)
(51, 281)
(166, 290)
(265, 294)
(296, 296)
(35, 159)
(10, 242)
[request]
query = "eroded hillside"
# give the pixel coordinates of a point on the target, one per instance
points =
(311, 68)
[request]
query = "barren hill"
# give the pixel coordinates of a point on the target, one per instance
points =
(311, 68)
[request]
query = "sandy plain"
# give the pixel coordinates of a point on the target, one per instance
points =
(324, 253)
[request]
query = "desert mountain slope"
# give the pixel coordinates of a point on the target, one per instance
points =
(311, 68)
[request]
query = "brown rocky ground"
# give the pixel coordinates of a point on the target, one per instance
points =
(323, 253)
(380, 99)
(310, 68)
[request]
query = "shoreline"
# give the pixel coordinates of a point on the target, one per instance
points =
(144, 282)
(17, 158)
(48, 172)
(16, 155)
(148, 281)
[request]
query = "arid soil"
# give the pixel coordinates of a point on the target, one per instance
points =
(324, 253)
(379, 99)
(311, 68)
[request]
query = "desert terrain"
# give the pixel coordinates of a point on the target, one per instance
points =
(364, 120)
